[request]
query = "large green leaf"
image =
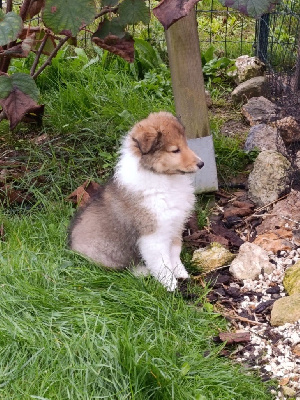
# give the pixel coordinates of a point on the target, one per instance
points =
(20, 81)
(109, 3)
(133, 11)
(10, 26)
(110, 27)
(68, 15)
(253, 8)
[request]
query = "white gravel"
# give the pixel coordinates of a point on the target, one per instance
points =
(272, 351)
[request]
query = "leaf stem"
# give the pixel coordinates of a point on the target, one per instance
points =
(52, 55)
(106, 10)
(38, 54)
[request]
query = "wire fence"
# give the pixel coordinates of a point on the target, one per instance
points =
(278, 40)
(231, 33)
(274, 39)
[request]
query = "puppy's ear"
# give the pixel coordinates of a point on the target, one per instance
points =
(147, 142)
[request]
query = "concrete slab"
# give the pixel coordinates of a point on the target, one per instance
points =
(206, 179)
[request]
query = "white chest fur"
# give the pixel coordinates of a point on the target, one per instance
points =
(169, 198)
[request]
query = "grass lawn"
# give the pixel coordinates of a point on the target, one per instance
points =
(69, 329)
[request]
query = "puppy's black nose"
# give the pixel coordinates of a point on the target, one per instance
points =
(200, 164)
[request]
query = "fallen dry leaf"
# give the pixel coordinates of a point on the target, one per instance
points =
(10, 195)
(235, 337)
(83, 193)
(284, 381)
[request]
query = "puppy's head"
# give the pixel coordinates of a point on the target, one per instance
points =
(160, 143)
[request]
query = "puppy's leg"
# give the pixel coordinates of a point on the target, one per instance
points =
(178, 267)
(155, 250)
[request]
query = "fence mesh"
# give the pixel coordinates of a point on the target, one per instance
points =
(274, 39)
(231, 33)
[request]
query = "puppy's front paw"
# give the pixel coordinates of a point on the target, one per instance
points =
(180, 272)
(169, 282)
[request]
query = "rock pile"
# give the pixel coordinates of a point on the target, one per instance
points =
(259, 289)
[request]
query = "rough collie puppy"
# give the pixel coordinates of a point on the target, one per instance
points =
(140, 213)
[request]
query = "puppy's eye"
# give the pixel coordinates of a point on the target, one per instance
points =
(176, 151)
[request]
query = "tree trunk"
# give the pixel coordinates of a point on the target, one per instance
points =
(187, 77)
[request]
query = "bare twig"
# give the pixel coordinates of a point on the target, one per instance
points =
(253, 216)
(237, 317)
(270, 204)
(38, 54)
(106, 10)
(52, 55)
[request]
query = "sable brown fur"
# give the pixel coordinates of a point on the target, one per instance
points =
(140, 213)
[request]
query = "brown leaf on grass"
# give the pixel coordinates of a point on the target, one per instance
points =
(18, 104)
(235, 337)
(123, 47)
(10, 195)
(11, 170)
(170, 11)
(83, 193)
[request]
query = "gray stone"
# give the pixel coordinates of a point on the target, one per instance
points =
(289, 129)
(260, 110)
(251, 261)
(252, 88)
(248, 67)
(212, 257)
(286, 310)
(269, 178)
(264, 137)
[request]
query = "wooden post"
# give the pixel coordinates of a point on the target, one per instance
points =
(187, 77)
(189, 93)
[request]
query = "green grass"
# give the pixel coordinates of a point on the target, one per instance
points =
(70, 330)
(88, 110)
